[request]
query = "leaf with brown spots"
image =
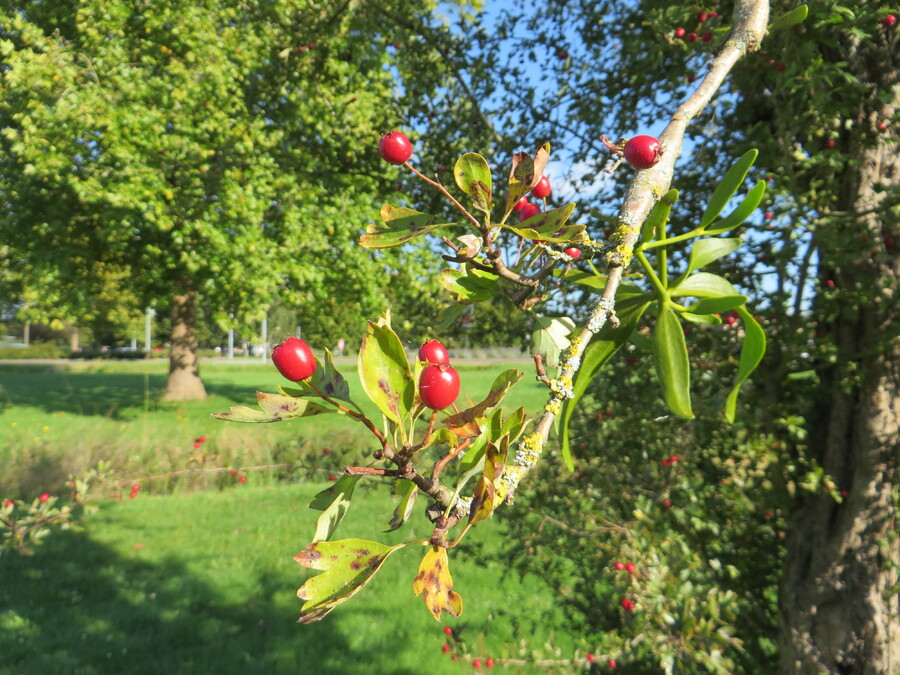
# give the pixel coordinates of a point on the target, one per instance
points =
(384, 372)
(551, 226)
(435, 585)
(488, 491)
(525, 173)
(348, 565)
(403, 225)
(273, 408)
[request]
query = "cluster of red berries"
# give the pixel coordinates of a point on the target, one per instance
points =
(241, 479)
(476, 663)
(627, 604)
(671, 460)
(628, 567)
(731, 318)
(199, 441)
(438, 381)
(134, 491)
(682, 34)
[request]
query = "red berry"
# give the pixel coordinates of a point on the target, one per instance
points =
(489, 662)
(326, 451)
(691, 37)
(679, 33)
(729, 320)
(242, 479)
(395, 147)
(706, 37)
(448, 630)
(627, 604)
(135, 488)
(573, 252)
(133, 495)
(542, 190)
(829, 143)
(769, 215)
(692, 78)
(332, 478)
(643, 152)
(590, 658)
(476, 664)
(438, 386)
(629, 567)
(667, 503)
(521, 204)
(619, 565)
(844, 493)
(882, 126)
(611, 663)
(712, 15)
(44, 497)
(294, 359)
(446, 649)
(829, 283)
(529, 211)
(234, 472)
(701, 17)
(202, 439)
(8, 502)
(197, 444)
(434, 352)
(673, 459)
(889, 21)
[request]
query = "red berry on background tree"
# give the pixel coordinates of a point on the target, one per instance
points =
(529, 211)
(889, 21)
(643, 152)
(438, 386)
(434, 352)
(521, 204)
(395, 147)
(45, 497)
(542, 189)
(573, 252)
(294, 359)
(680, 33)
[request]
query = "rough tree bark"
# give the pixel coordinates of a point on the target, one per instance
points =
(840, 611)
(184, 381)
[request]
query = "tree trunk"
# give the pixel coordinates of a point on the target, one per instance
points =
(73, 335)
(839, 604)
(184, 382)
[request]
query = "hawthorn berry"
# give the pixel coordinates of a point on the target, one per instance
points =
(573, 252)
(395, 147)
(881, 126)
(702, 16)
(590, 658)
(889, 21)
(667, 503)
(521, 204)
(673, 459)
(542, 190)
(202, 439)
(642, 152)
(448, 630)
(433, 352)
(712, 15)
(627, 605)
(691, 37)
(611, 663)
(446, 649)
(829, 143)
(242, 479)
(729, 320)
(197, 444)
(629, 567)
(135, 488)
(489, 662)
(476, 664)
(326, 451)
(331, 479)
(44, 498)
(294, 359)
(529, 211)
(680, 33)
(619, 565)
(707, 37)
(234, 472)
(438, 386)
(8, 503)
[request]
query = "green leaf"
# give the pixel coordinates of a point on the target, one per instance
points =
(551, 226)
(273, 408)
(726, 188)
(705, 251)
(333, 502)
(524, 174)
(403, 225)
(469, 285)
(717, 305)
(435, 585)
(741, 213)
(384, 371)
(326, 379)
(601, 349)
(473, 176)
(549, 337)
(672, 366)
(708, 319)
(406, 491)
(658, 216)
(792, 18)
(465, 423)
(348, 564)
(752, 351)
(704, 285)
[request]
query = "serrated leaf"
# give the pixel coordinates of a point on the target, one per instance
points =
(672, 365)
(549, 337)
(384, 372)
(551, 226)
(731, 181)
(473, 176)
(792, 18)
(468, 288)
(704, 285)
(465, 423)
(435, 585)
(601, 349)
(752, 351)
(524, 174)
(705, 251)
(407, 492)
(654, 225)
(333, 502)
(717, 305)
(403, 225)
(348, 564)
(273, 408)
(743, 211)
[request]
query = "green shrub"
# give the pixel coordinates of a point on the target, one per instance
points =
(40, 350)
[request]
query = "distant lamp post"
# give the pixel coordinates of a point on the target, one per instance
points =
(148, 326)
(264, 351)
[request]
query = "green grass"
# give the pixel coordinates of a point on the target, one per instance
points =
(205, 582)
(62, 419)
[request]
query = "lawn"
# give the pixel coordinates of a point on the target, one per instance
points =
(187, 580)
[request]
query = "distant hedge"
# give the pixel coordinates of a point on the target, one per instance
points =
(41, 350)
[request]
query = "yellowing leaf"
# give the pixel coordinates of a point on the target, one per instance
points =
(435, 585)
